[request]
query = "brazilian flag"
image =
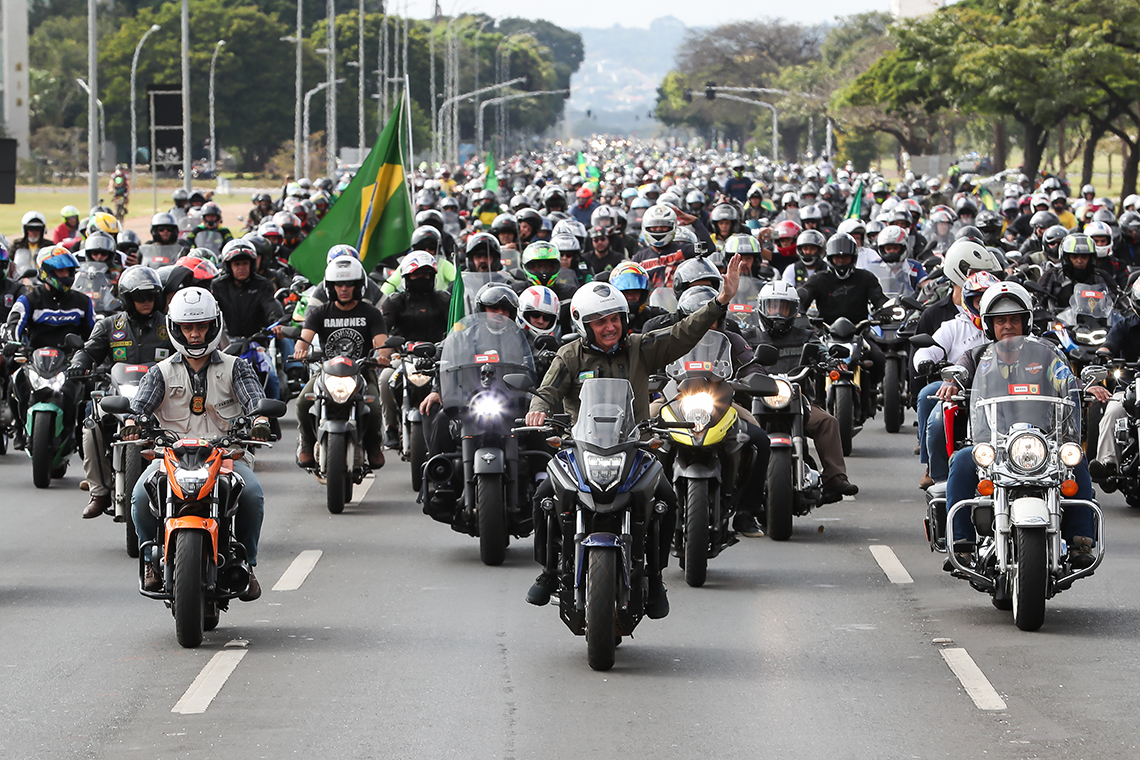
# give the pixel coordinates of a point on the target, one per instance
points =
(492, 180)
(373, 214)
(856, 209)
(585, 170)
(987, 198)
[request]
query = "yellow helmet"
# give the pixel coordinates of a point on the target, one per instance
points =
(103, 222)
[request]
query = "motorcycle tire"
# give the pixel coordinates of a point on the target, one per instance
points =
(781, 495)
(60, 471)
(42, 450)
(3, 443)
(336, 472)
(697, 532)
(492, 516)
(1031, 578)
(132, 470)
(844, 412)
(601, 608)
(212, 618)
(1092, 424)
(189, 603)
(894, 398)
(417, 455)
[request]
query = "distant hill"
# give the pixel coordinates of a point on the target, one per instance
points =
(623, 66)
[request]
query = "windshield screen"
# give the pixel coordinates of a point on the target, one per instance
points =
(480, 350)
(711, 357)
(1023, 380)
(607, 418)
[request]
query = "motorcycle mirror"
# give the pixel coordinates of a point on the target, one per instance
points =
(912, 303)
(291, 332)
(922, 340)
(394, 341)
(1093, 374)
(955, 373)
(546, 343)
(424, 351)
(657, 383)
(73, 342)
(766, 354)
(271, 407)
(115, 405)
(757, 384)
(519, 382)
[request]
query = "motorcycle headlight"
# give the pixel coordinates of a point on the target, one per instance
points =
(697, 408)
(340, 388)
(603, 471)
(1071, 454)
(486, 405)
(191, 481)
(419, 379)
(984, 455)
(1091, 337)
(781, 399)
(37, 381)
(1027, 452)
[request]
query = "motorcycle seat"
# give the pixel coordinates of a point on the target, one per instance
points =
(937, 491)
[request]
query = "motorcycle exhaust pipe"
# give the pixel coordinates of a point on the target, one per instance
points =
(440, 469)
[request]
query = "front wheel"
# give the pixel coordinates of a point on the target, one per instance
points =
(43, 452)
(492, 519)
(601, 608)
(417, 455)
(781, 495)
(1031, 578)
(893, 397)
(845, 413)
(697, 532)
(336, 471)
(189, 592)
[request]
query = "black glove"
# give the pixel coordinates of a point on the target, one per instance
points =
(75, 373)
(260, 432)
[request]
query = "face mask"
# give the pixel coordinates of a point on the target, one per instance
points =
(420, 285)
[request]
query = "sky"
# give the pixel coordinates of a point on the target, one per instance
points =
(638, 13)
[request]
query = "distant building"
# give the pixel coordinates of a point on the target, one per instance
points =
(915, 8)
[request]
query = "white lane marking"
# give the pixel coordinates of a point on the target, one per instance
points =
(973, 680)
(887, 560)
(209, 682)
(364, 488)
(298, 571)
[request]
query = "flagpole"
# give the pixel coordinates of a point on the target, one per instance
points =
(411, 154)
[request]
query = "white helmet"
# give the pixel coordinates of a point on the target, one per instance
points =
(344, 269)
(415, 260)
(778, 304)
(1005, 298)
(1132, 203)
(1100, 229)
(685, 235)
(593, 302)
(659, 216)
(538, 300)
(189, 306)
(966, 256)
(33, 219)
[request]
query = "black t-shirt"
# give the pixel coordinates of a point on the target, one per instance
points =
(346, 333)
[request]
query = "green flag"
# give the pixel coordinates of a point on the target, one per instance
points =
(585, 170)
(373, 214)
(987, 198)
(492, 180)
(856, 208)
(457, 310)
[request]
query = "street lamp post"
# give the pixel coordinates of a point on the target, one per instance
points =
(308, 97)
(479, 118)
(187, 175)
(213, 134)
(300, 96)
(775, 120)
(100, 132)
(455, 100)
(330, 96)
(360, 61)
(92, 99)
(134, 119)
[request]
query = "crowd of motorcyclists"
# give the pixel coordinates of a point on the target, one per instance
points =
(817, 277)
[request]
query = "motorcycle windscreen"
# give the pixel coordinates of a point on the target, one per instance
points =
(894, 279)
(743, 308)
(712, 357)
(478, 352)
(606, 416)
(1024, 381)
(473, 281)
(91, 279)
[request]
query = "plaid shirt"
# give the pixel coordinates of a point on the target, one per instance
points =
(152, 388)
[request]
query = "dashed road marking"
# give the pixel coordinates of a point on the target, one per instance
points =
(973, 680)
(209, 682)
(298, 570)
(363, 489)
(887, 560)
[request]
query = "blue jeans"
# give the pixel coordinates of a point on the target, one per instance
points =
(925, 407)
(285, 347)
(937, 457)
(247, 524)
(963, 484)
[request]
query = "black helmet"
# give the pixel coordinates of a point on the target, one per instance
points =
(430, 217)
(694, 298)
(261, 245)
(531, 217)
(966, 207)
(136, 283)
(128, 241)
(484, 242)
(426, 238)
(505, 223)
(970, 232)
(1043, 220)
(989, 222)
(841, 244)
(1053, 236)
(694, 270)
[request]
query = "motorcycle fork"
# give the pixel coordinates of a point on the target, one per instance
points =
(468, 448)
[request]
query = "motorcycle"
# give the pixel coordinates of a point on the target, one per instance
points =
(156, 255)
(195, 498)
(742, 308)
(842, 381)
(413, 368)
(605, 479)
(1082, 329)
(895, 323)
(93, 281)
(794, 486)
(1023, 437)
(340, 411)
(50, 441)
(126, 461)
(709, 459)
(490, 480)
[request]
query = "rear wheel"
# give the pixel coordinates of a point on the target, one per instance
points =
(893, 397)
(132, 469)
(845, 413)
(336, 473)
(42, 450)
(697, 532)
(781, 495)
(492, 519)
(1030, 579)
(417, 455)
(189, 592)
(601, 608)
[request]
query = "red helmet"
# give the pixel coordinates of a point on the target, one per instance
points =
(786, 230)
(584, 194)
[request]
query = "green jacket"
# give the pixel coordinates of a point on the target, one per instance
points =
(642, 356)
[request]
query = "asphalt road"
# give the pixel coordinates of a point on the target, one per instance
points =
(400, 644)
